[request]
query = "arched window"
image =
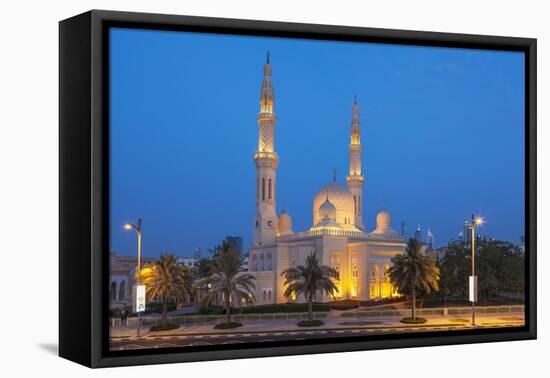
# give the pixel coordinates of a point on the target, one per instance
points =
(263, 189)
(268, 265)
(264, 295)
(122, 291)
(269, 189)
(262, 262)
(375, 271)
(269, 295)
(112, 292)
(254, 262)
(355, 204)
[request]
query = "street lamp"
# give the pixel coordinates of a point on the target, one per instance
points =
(476, 221)
(128, 227)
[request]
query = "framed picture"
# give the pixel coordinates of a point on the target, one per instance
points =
(235, 188)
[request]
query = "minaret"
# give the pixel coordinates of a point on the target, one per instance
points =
(266, 159)
(356, 179)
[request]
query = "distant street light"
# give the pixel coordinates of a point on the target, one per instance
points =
(476, 221)
(128, 227)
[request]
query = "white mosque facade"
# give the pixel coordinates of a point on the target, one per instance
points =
(337, 235)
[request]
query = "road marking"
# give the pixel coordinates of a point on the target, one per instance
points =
(131, 346)
(165, 345)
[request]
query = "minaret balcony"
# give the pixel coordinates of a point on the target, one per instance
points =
(266, 117)
(355, 179)
(265, 158)
(355, 147)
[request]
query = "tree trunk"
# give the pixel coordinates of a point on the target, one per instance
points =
(310, 308)
(413, 301)
(164, 313)
(228, 308)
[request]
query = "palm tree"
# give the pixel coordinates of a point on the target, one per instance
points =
(308, 279)
(228, 281)
(414, 270)
(167, 281)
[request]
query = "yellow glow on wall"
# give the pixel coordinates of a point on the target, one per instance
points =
(385, 291)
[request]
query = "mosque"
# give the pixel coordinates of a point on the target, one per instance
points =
(337, 233)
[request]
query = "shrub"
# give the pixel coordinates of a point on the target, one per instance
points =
(310, 323)
(228, 325)
(164, 327)
(344, 307)
(284, 308)
(211, 310)
(156, 307)
(413, 321)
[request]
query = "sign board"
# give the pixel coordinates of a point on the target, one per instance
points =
(473, 289)
(138, 299)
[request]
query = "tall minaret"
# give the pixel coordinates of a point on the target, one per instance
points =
(356, 179)
(265, 220)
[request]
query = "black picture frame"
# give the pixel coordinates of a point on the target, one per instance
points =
(84, 186)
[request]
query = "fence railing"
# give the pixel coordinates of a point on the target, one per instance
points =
(443, 311)
(205, 319)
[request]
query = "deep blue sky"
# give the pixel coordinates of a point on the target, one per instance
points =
(442, 130)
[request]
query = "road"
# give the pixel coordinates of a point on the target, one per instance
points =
(168, 341)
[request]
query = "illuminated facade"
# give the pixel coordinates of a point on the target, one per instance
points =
(337, 234)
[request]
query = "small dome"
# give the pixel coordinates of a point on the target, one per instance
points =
(383, 223)
(383, 219)
(327, 211)
(284, 223)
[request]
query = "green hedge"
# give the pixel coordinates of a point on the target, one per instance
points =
(157, 307)
(283, 308)
(344, 307)
(164, 327)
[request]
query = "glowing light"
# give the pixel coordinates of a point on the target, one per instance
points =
(127, 226)
(479, 220)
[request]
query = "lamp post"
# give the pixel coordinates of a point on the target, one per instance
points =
(476, 221)
(130, 226)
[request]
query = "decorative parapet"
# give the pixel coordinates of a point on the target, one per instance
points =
(353, 235)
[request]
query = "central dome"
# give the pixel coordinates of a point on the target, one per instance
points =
(342, 200)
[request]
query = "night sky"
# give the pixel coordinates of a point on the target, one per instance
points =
(442, 131)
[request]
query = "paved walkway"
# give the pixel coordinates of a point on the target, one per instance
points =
(330, 323)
